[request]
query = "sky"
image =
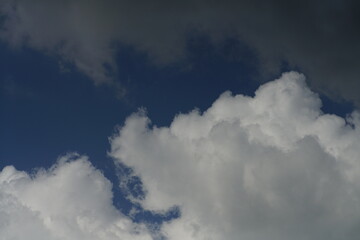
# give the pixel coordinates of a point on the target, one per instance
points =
(179, 120)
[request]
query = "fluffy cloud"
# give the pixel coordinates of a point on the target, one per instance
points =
(72, 200)
(320, 38)
(272, 166)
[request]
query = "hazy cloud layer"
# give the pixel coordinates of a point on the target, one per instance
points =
(321, 38)
(72, 200)
(270, 167)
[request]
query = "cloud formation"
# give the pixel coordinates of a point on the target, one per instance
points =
(72, 200)
(322, 39)
(272, 166)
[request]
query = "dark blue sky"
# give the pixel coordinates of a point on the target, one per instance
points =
(47, 112)
(64, 111)
(72, 72)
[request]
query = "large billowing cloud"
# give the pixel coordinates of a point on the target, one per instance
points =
(72, 200)
(272, 166)
(321, 38)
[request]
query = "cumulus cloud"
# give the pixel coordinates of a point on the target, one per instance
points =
(320, 38)
(71, 200)
(272, 166)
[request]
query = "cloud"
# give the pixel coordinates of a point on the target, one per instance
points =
(272, 166)
(71, 200)
(322, 39)
(85, 33)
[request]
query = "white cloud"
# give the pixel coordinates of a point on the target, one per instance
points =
(268, 167)
(72, 200)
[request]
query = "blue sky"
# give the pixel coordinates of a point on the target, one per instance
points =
(67, 113)
(126, 99)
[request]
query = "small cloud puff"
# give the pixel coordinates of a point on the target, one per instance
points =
(72, 200)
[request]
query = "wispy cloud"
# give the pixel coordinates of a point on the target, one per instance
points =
(12, 89)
